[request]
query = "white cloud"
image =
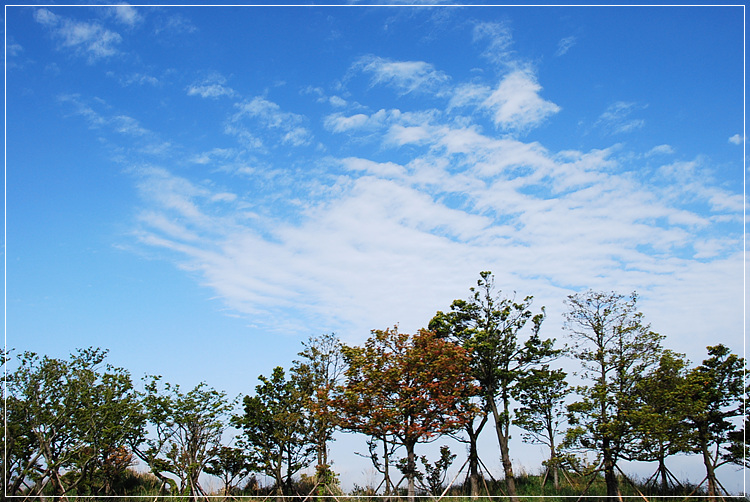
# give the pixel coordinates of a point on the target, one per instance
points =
(401, 135)
(405, 76)
(499, 39)
(469, 95)
(387, 235)
(339, 122)
(175, 24)
(272, 119)
(516, 104)
(660, 150)
(211, 87)
(127, 125)
(564, 45)
(140, 79)
(337, 101)
(127, 14)
(737, 139)
(617, 119)
(46, 17)
(90, 39)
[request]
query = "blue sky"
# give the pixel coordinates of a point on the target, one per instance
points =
(200, 189)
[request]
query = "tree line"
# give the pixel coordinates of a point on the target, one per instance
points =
(77, 426)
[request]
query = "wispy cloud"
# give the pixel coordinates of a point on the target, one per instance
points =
(174, 24)
(84, 38)
(286, 128)
(660, 150)
(359, 238)
(564, 45)
(139, 79)
(405, 76)
(127, 14)
(499, 39)
(212, 86)
(617, 118)
(468, 201)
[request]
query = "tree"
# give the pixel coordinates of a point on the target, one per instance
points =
(541, 393)
(658, 419)
(21, 450)
(276, 429)
(475, 407)
(71, 416)
(404, 386)
(230, 465)
(188, 428)
(616, 350)
(322, 365)
(435, 473)
(489, 327)
(716, 390)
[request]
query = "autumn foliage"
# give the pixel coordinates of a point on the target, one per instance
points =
(406, 386)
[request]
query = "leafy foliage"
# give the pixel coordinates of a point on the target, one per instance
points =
(188, 428)
(405, 386)
(716, 389)
(276, 430)
(322, 365)
(489, 327)
(542, 393)
(70, 424)
(616, 350)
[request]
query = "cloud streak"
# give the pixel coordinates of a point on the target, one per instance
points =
(90, 39)
(404, 76)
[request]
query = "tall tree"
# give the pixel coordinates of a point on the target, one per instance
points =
(616, 349)
(405, 386)
(71, 415)
(475, 407)
(716, 390)
(490, 328)
(276, 428)
(658, 419)
(541, 393)
(322, 365)
(187, 433)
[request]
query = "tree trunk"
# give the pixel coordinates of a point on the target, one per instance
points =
(663, 469)
(411, 467)
(553, 465)
(386, 471)
(707, 461)
(610, 478)
(504, 454)
(473, 467)
(474, 455)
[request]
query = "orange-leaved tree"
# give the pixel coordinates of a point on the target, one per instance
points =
(409, 387)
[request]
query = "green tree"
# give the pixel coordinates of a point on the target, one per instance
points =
(435, 473)
(616, 350)
(541, 393)
(407, 387)
(322, 365)
(276, 430)
(187, 433)
(490, 328)
(658, 419)
(21, 452)
(230, 465)
(69, 417)
(716, 391)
